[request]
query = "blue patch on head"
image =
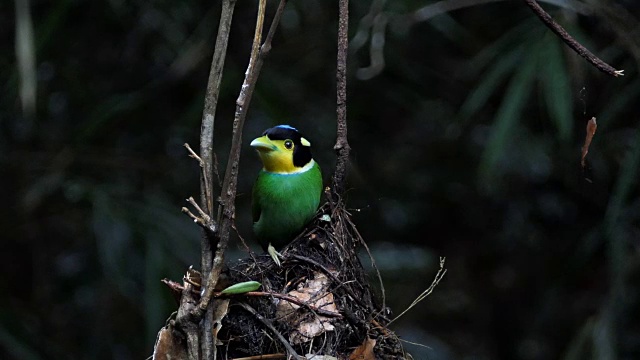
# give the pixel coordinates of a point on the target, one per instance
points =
(287, 127)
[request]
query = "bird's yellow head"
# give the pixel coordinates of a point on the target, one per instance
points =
(283, 150)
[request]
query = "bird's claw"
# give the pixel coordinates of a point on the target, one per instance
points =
(275, 255)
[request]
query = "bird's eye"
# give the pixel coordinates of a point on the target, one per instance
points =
(288, 144)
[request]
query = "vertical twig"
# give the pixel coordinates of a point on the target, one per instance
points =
(226, 211)
(342, 145)
(208, 120)
(185, 321)
(206, 153)
(570, 41)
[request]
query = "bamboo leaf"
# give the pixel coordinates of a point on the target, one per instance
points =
(489, 83)
(242, 288)
(556, 87)
(506, 119)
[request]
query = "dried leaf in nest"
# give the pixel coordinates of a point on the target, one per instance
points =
(364, 351)
(168, 346)
(220, 310)
(306, 325)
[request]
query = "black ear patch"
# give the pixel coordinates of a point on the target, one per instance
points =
(301, 154)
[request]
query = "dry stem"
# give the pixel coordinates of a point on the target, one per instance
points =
(570, 41)
(342, 145)
(226, 211)
(207, 158)
(436, 280)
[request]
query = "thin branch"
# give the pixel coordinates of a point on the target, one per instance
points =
(193, 155)
(296, 301)
(436, 280)
(373, 262)
(342, 145)
(204, 220)
(177, 287)
(226, 211)
(570, 41)
(206, 152)
(185, 320)
(211, 102)
(273, 329)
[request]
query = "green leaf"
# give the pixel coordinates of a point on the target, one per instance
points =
(479, 96)
(556, 86)
(508, 115)
(242, 287)
(503, 45)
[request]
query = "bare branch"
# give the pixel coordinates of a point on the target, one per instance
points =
(436, 280)
(226, 211)
(203, 219)
(193, 155)
(342, 145)
(206, 152)
(211, 101)
(185, 320)
(570, 41)
(296, 301)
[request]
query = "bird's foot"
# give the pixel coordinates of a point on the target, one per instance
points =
(274, 254)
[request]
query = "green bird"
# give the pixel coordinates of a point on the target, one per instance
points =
(287, 192)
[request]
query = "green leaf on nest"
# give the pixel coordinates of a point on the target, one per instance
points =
(241, 288)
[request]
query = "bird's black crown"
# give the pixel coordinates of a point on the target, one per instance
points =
(301, 153)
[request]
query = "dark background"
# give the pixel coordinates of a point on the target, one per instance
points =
(466, 144)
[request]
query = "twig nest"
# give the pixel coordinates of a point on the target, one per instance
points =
(318, 302)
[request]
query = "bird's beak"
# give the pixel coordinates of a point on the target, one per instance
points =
(263, 144)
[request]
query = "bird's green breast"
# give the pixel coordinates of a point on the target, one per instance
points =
(284, 203)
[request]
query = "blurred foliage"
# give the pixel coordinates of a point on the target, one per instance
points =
(466, 145)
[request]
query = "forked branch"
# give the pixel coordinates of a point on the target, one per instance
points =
(206, 160)
(226, 210)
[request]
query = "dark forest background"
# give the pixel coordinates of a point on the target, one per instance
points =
(466, 144)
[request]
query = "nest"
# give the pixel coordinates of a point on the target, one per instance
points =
(335, 313)
(317, 305)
